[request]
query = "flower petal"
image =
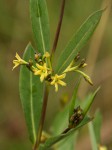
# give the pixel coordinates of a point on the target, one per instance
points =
(61, 83)
(17, 56)
(53, 82)
(39, 66)
(56, 87)
(38, 72)
(61, 76)
(42, 77)
(16, 65)
(46, 55)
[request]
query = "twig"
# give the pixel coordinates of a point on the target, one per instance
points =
(58, 28)
(66, 130)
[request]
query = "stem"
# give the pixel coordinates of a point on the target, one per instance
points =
(58, 27)
(45, 100)
(66, 130)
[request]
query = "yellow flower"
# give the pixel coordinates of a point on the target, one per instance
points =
(57, 79)
(102, 148)
(42, 71)
(19, 61)
(47, 55)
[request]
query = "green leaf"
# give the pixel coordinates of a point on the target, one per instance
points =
(59, 125)
(68, 143)
(31, 94)
(61, 121)
(53, 140)
(97, 122)
(89, 102)
(78, 41)
(93, 138)
(73, 100)
(40, 25)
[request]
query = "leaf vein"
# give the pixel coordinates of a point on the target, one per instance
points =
(41, 30)
(32, 114)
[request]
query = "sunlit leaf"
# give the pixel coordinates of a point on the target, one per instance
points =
(31, 93)
(73, 100)
(93, 138)
(40, 25)
(97, 122)
(61, 121)
(78, 41)
(89, 101)
(68, 143)
(59, 124)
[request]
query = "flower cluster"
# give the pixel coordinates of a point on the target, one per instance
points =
(43, 68)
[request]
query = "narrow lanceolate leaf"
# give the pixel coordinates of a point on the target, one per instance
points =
(78, 41)
(73, 100)
(61, 121)
(97, 122)
(59, 124)
(93, 138)
(53, 140)
(69, 143)
(31, 94)
(89, 102)
(40, 25)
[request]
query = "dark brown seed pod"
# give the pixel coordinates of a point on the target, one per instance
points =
(76, 117)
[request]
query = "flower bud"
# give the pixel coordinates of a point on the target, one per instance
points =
(77, 57)
(37, 56)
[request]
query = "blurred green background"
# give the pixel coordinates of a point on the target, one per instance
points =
(16, 32)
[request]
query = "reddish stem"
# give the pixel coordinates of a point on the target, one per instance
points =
(58, 27)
